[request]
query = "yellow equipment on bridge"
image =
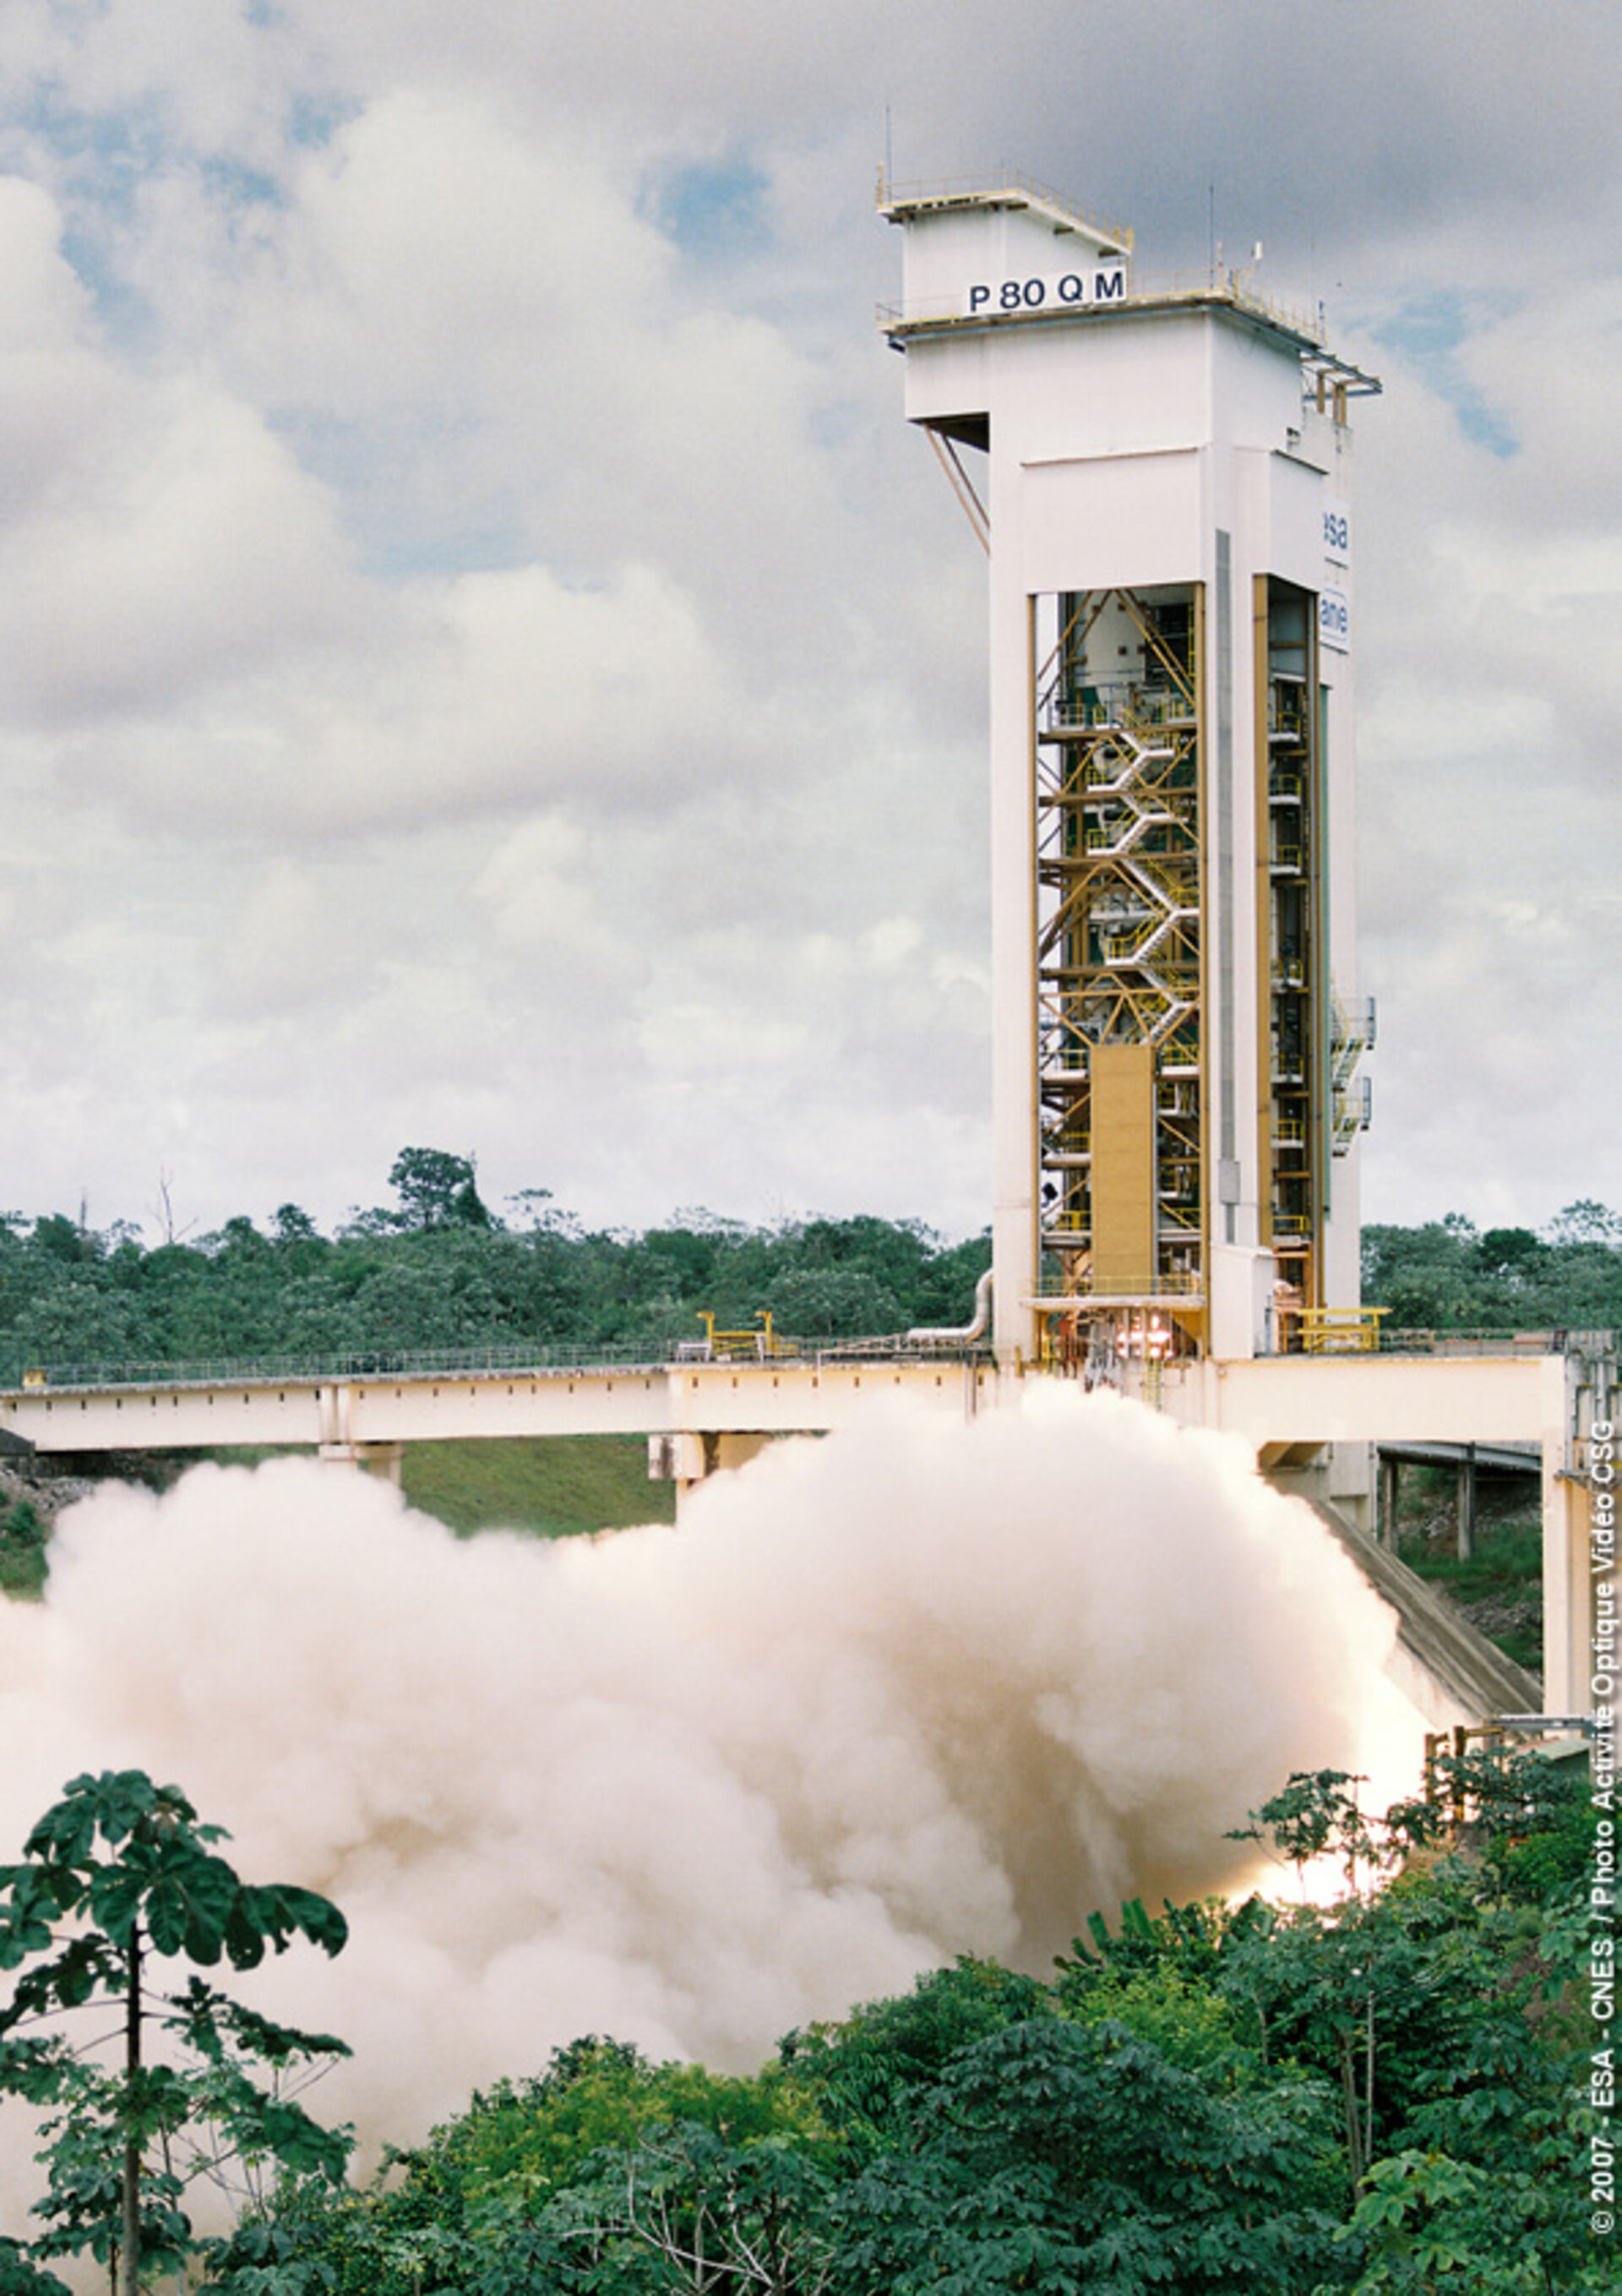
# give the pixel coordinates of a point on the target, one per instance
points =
(759, 1346)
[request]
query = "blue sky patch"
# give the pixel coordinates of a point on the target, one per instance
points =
(105, 156)
(314, 118)
(1429, 331)
(232, 184)
(713, 210)
(124, 315)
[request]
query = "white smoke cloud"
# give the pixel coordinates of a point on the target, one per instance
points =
(881, 1697)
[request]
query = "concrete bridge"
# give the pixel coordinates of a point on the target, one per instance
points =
(1304, 1415)
(697, 1415)
(1314, 1422)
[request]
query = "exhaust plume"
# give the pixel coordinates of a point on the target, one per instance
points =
(882, 1698)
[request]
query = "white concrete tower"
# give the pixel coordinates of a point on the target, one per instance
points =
(1176, 1030)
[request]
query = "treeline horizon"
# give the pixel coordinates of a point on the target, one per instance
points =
(437, 1269)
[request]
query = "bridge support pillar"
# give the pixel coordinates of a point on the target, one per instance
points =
(1579, 1404)
(1568, 1610)
(689, 1458)
(1464, 1511)
(384, 1459)
(1390, 1486)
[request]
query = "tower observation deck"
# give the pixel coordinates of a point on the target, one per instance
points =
(1164, 475)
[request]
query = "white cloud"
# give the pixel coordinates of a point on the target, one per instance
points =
(195, 549)
(485, 660)
(536, 890)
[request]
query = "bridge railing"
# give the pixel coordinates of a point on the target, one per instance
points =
(650, 1358)
(1557, 1341)
(341, 1364)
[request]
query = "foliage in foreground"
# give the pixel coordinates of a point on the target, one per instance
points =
(117, 1873)
(1380, 2093)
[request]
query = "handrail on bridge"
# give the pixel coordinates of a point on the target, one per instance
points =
(1439, 1340)
(658, 1354)
(551, 1361)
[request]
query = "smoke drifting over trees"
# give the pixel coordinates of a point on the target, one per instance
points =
(880, 1698)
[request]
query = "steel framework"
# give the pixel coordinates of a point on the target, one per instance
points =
(1116, 745)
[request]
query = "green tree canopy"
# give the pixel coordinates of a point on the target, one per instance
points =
(117, 1876)
(437, 1189)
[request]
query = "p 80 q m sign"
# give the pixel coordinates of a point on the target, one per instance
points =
(1057, 290)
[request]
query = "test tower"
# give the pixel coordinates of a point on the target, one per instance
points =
(1162, 476)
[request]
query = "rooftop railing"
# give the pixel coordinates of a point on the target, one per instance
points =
(950, 190)
(1227, 287)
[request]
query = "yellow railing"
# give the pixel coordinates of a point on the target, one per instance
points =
(1339, 1331)
(739, 1347)
(1150, 1285)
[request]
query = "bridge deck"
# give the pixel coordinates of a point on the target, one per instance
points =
(1412, 1401)
(1277, 1404)
(393, 1407)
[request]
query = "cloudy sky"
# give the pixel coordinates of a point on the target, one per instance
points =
(485, 664)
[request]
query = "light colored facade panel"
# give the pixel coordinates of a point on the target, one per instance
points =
(1147, 389)
(993, 256)
(1256, 394)
(1129, 519)
(1291, 536)
(951, 385)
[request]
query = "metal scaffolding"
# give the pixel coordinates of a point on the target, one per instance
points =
(1115, 744)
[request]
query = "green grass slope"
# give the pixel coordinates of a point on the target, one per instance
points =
(1499, 1588)
(556, 1488)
